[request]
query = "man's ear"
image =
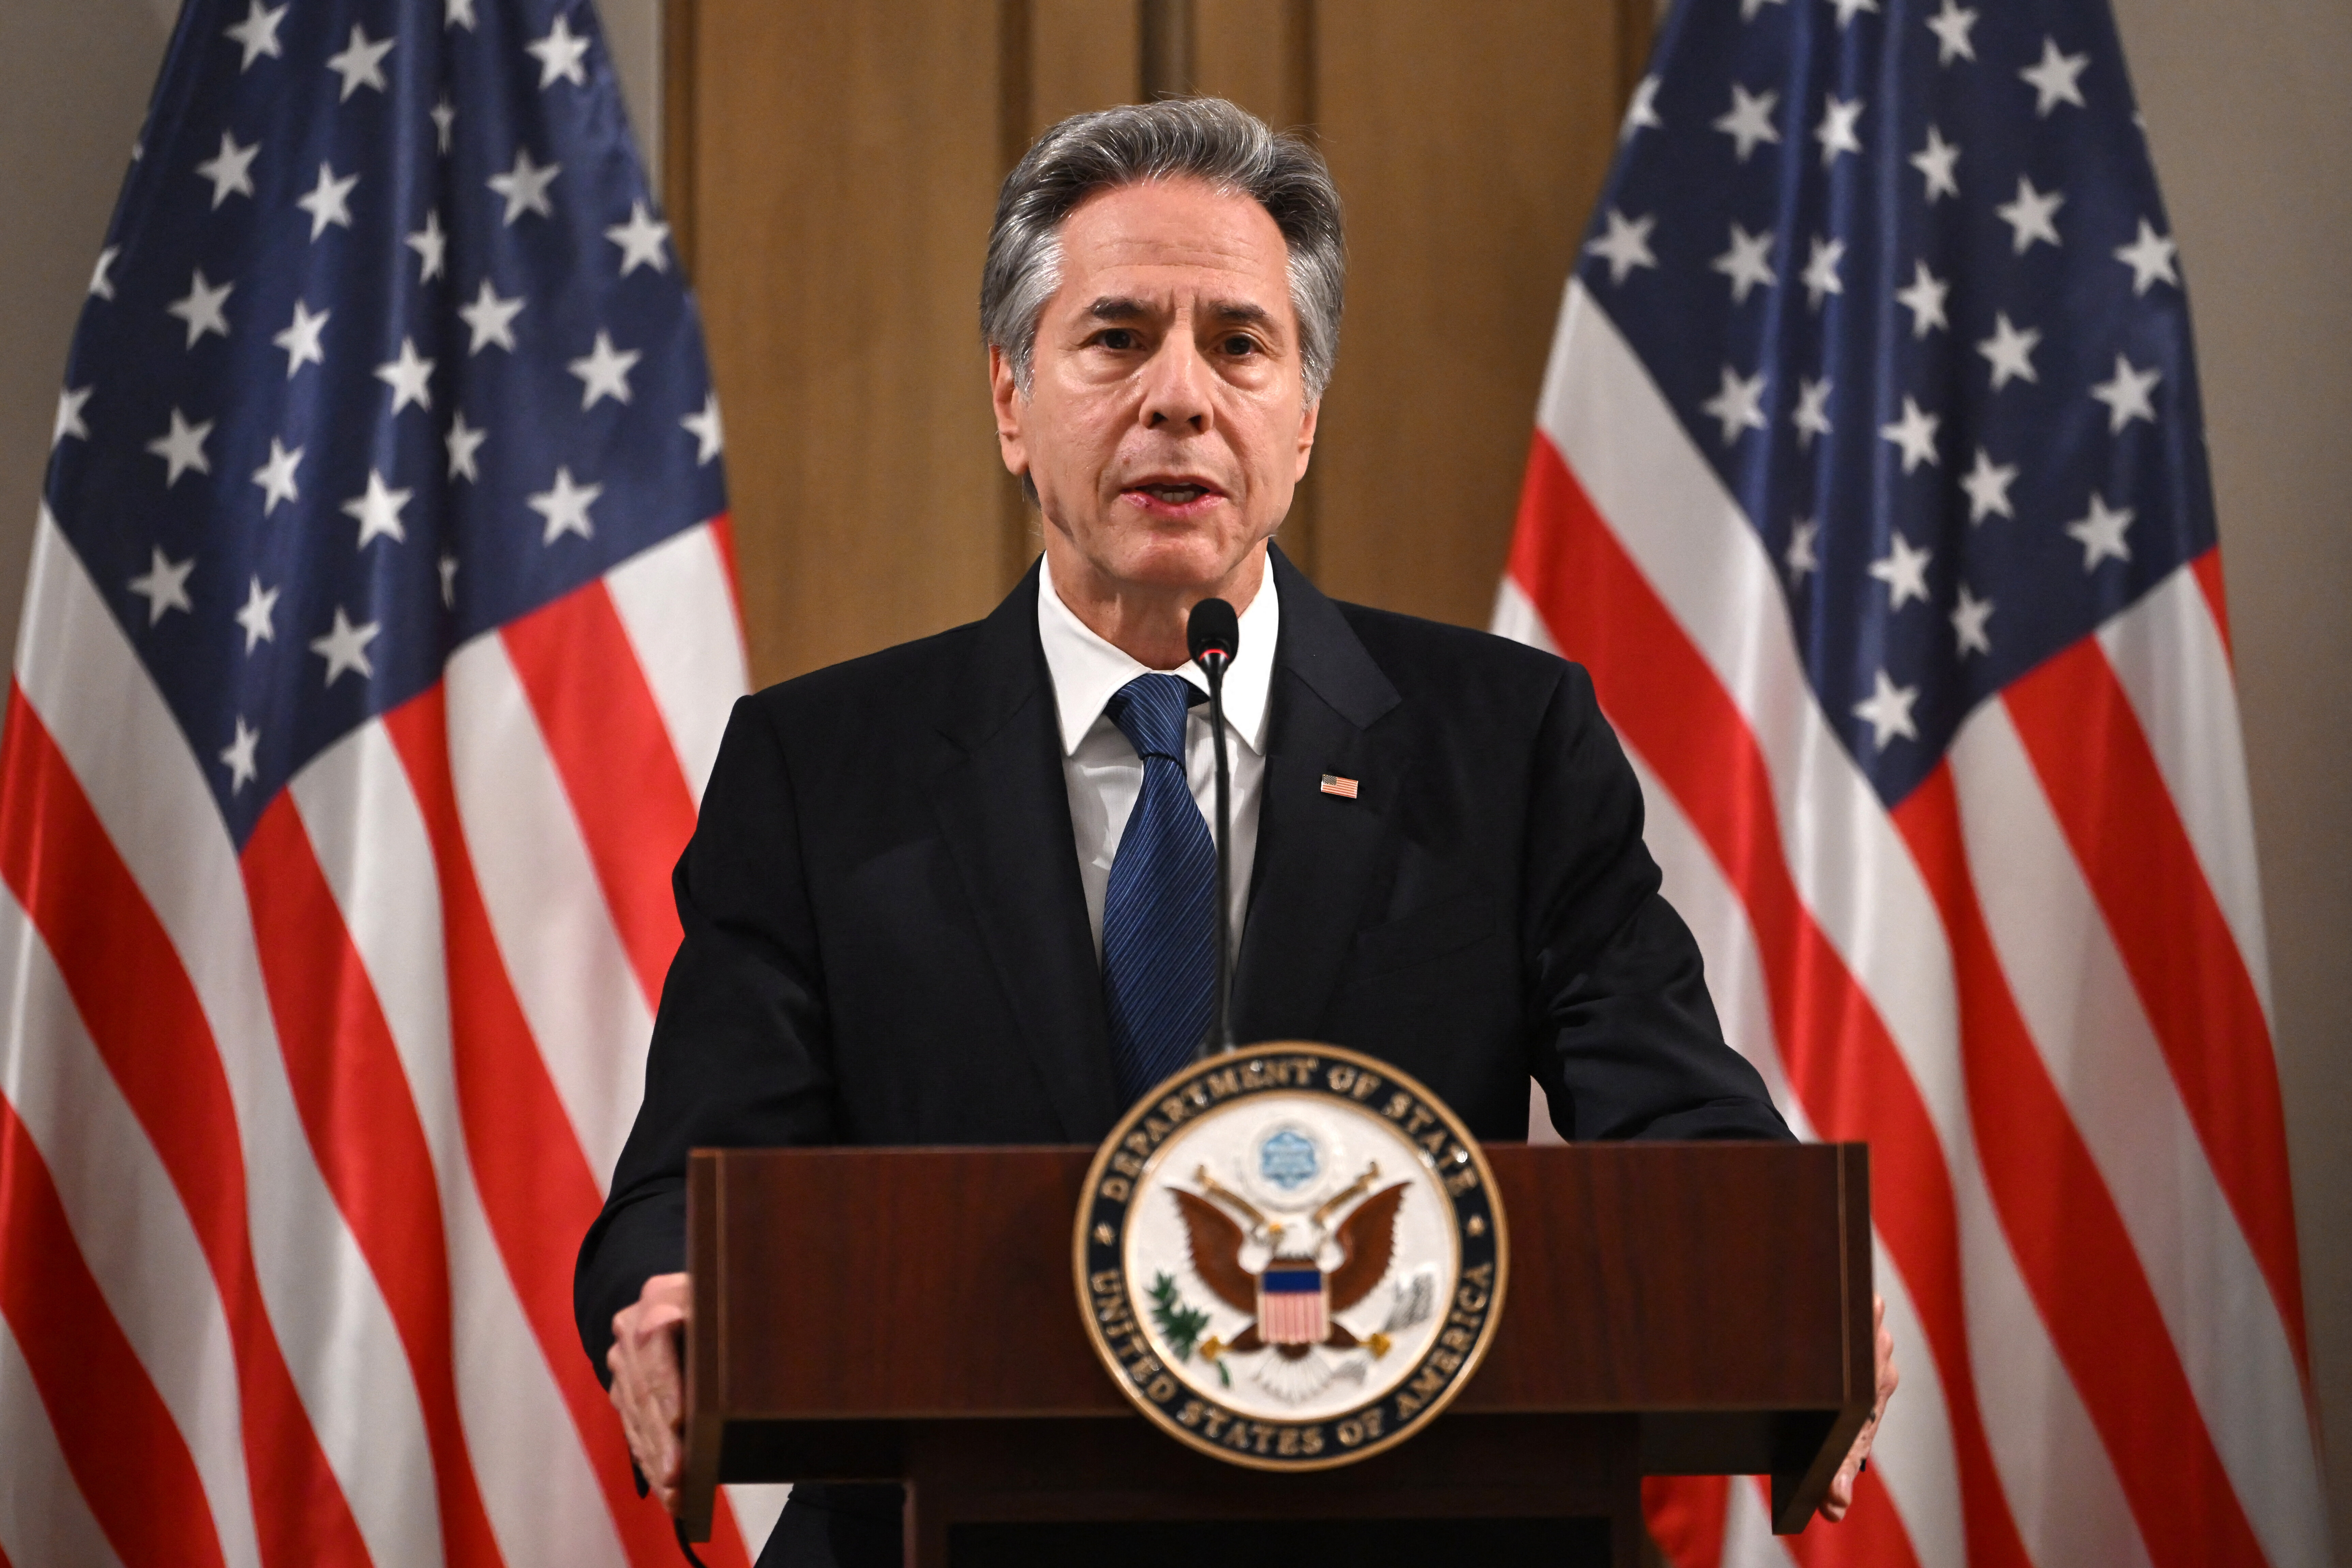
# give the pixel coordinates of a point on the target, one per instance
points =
(1011, 405)
(1306, 419)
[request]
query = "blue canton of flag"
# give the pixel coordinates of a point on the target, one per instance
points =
(1905, 277)
(386, 348)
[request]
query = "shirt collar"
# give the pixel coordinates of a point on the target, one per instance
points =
(1088, 672)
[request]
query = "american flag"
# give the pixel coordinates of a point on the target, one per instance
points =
(1869, 480)
(1292, 1304)
(378, 638)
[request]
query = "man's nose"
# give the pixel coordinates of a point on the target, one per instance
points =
(1176, 385)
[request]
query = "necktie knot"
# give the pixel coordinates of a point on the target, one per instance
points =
(1149, 712)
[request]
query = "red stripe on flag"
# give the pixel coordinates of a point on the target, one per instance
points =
(1840, 1060)
(126, 1453)
(1870, 1536)
(2071, 1245)
(606, 734)
(1686, 1516)
(722, 539)
(64, 870)
(356, 1105)
(538, 1192)
(2109, 797)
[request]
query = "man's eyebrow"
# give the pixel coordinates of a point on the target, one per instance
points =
(1121, 307)
(1116, 308)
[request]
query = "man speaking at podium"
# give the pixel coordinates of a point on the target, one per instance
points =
(961, 891)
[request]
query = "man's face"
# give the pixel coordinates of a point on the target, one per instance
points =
(1166, 423)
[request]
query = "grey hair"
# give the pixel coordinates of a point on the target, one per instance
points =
(1197, 137)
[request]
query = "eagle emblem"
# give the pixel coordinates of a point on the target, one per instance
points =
(1290, 1255)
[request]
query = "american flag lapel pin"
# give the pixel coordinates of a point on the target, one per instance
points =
(1334, 785)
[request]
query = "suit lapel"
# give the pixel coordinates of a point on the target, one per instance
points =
(1004, 810)
(1319, 855)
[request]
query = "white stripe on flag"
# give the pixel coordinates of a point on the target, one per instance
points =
(555, 933)
(2168, 657)
(678, 609)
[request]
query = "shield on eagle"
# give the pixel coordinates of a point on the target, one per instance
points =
(1294, 1303)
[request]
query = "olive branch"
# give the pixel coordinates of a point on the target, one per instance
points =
(1182, 1326)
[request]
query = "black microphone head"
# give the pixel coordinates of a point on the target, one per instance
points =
(1213, 628)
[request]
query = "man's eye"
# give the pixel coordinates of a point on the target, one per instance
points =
(1241, 346)
(1119, 340)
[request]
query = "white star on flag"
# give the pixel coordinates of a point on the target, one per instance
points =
(1812, 418)
(704, 427)
(1748, 9)
(2010, 352)
(444, 115)
(361, 64)
(301, 339)
(378, 510)
(71, 401)
(238, 755)
(2029, 216)
(1836, 132)
(603, 372)
(1625, 247)
(1746, 262)
(1641, 113)
(1887, 709)
(1936, 160)
(1904, 570)
(258, 34)
(640, 239)
(558, 55)
(165, 584)
(2100, 533)
(181, 447)
(328, 201)
(1821, 275)
(201, 308)
(276, 476)
(344, 648)
(2056, 79)
(1749, 121)
(432, 248)
(1800, 557)
(1740, 405)
(448, 581)
(260, 605)
(1915, 434)
(565, 506)
(525, 187)
(1969, 623)
(2126, 396)
(1951, 26)
(101, 284)
(2150, 258)
(491, 319)
(458, 14)
(1987, 485)
(230, 170)
(1847, 10)
(1925, 299)
(464, 442)
(409, 376)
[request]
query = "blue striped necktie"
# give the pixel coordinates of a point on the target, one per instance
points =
(1159, 935)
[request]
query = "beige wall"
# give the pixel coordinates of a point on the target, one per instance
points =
(2256, 162)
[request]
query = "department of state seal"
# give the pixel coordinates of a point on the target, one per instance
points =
(1290, 1255)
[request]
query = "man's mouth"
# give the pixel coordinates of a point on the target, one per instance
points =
(1173, 491)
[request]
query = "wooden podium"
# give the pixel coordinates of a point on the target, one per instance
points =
(909, 1314)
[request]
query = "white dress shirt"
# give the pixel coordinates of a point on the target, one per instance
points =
(1101, 768)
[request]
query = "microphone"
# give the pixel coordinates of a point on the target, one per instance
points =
(1213, 634)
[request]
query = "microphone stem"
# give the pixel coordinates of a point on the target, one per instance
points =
(1220, 1037)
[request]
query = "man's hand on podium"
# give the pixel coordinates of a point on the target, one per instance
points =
(1841, 1495)
(650, 1396)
